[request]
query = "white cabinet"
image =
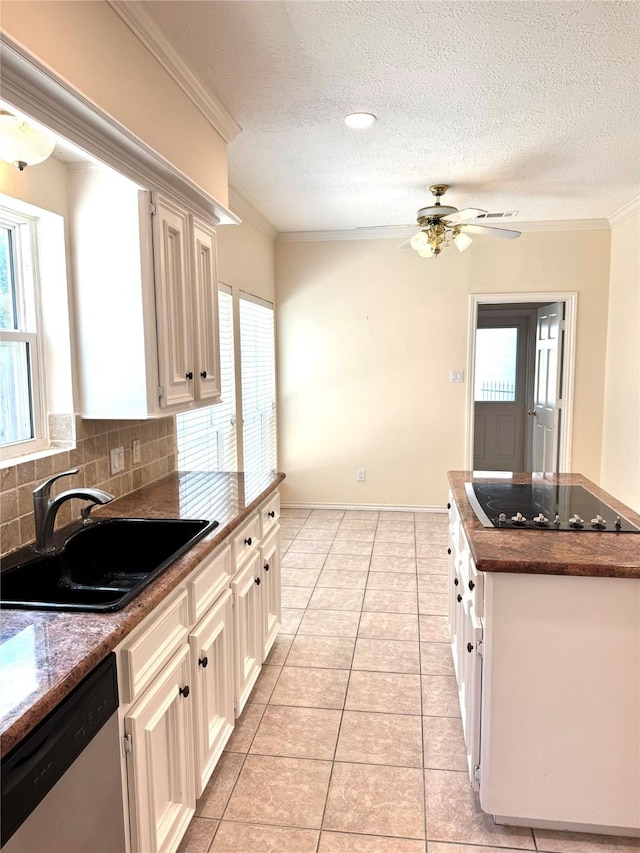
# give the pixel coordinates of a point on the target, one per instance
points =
(160, 769)
(212, 679)
(270, 590)
(248, 622)
(145, 284)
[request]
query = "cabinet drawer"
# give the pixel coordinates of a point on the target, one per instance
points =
(245, 541)
(207, 582)
(269, 514)
(143, 656)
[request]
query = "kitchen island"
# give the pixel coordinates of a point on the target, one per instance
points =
(545, 632)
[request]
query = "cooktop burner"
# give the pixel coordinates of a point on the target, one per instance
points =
(520, 506)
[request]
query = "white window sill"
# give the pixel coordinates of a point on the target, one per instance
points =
(30, 456)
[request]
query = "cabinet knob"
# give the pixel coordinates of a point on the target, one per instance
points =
(459, 597)
(471, 585)
(448, 550)
(203, 662)
(203, 374)
(272, 514)
(456, 581)
(266, 567)
(248, 541)
(184, 691)
(448, 506)
(189, 375)
(469, 647)
(257, 580)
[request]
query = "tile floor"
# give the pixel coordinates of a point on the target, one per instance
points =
(351, 741)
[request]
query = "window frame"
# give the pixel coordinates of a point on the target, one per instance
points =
(26, 287)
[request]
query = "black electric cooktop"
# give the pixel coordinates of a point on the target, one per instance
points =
(530, 506)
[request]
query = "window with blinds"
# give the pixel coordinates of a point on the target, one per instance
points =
(257, 368)
(206, 438)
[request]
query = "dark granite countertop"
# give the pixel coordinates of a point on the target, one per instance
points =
(548, 552)
(45, 654)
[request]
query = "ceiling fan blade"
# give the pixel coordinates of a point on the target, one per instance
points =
(490, 232)
(461, 215)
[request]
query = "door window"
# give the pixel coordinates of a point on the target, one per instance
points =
(496, 365)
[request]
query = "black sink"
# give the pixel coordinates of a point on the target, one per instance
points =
(102, 566)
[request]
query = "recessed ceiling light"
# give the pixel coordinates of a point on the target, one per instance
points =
(360, 121)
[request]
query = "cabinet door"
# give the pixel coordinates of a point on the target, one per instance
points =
(173, 304)
(271, 592)
(212, 679)
(160, 763)
(205, 278)
(247, 625)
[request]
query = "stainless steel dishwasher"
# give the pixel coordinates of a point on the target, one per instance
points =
(62, 786)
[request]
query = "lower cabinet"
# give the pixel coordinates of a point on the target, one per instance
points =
(212, 678)
(247, 629)
(186, 672)
(158, 731)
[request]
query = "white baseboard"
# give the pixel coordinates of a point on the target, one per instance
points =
(363, 507)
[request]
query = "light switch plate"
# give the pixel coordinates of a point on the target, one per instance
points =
(116, 457)
(135, 451)
(456, 376)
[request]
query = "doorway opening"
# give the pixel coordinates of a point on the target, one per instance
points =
(520, 390)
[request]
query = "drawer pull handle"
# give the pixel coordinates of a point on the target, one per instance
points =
(448, 550)
(469, 648)
(188, 375)
(272, 514)
(448, 506)
(257, 580)
(456, 581)
(184, 691)
(459, 597)
(203, 662)
(248, 541)
(203, 374)
(471, 585)
(266, 567)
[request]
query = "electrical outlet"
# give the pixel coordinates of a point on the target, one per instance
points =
(136, 453)
(117, 459)
(361, 475)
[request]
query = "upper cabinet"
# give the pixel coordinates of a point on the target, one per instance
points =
(145, 281)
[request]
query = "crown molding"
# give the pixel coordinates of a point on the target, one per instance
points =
(398, 231)
(625, 212)
(248, 213)
(153, 38)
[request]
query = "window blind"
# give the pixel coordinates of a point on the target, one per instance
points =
(206, 437)
(257, 368)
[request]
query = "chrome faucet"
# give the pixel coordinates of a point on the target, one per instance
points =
(45, 508)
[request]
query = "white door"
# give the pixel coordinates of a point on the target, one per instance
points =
(547, 391)
(173, 305)
(271, 597)
(207, 370)
(160, 765)
(212, 678)
(500, 394)
(247, 625)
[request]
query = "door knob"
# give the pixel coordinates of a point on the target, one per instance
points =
(532, 412)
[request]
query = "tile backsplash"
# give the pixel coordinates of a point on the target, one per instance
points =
(83, 444)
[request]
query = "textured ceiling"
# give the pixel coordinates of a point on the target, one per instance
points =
(532, 106)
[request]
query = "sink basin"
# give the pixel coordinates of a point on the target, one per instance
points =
(101, 567)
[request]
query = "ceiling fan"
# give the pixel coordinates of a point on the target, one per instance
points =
(441, 226)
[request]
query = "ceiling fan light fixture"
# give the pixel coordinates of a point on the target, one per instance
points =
(360, 121)
(419, 241)
(427, 251)
(22, 143)
(462, 241)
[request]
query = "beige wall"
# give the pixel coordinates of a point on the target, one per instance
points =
(91, 48)
(246, 260)
(367, 335)
(621, 431)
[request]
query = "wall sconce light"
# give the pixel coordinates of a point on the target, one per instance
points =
(23, 144)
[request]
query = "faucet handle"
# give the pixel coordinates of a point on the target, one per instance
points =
(44, 489)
